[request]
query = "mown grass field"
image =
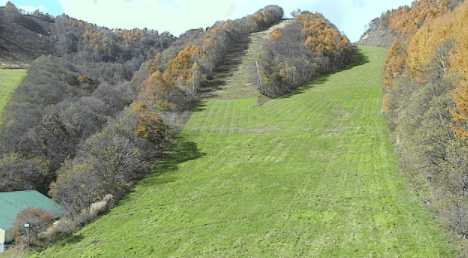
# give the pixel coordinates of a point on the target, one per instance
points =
(9, 80)
(309, 175)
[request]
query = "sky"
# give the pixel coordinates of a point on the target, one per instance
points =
(178, 16)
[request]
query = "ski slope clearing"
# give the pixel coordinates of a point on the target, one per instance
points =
(312, 174)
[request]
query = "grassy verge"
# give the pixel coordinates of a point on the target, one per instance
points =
(312, 174)
(9, 80)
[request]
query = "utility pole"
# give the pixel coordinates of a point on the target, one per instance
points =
(29, 233)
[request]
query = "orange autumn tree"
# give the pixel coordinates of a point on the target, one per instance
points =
(275, 34)
(422, 47)
(394, 62)
(458, 64)
(265, 17)
(179, 68)
(84, 79)
(405, 21)
(420, 30)
(155, 64)
(153, 88)
(150, 126)
(183, 72)
(320, 35)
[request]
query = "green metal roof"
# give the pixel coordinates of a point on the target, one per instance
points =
(12, 203)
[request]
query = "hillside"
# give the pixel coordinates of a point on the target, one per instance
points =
(404, 22)
(312, 174)
(226, 142)
(377, 38)
(23, 38)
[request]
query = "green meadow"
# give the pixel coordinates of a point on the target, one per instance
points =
(9, 80)
(312, 174)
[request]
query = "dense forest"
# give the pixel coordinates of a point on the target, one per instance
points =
(425, 104)
(298, 53)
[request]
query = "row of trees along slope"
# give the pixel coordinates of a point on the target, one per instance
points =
(404, 21)
(425, 103)
(93, 118)
(295, 54)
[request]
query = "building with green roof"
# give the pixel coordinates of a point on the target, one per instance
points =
(12, 203)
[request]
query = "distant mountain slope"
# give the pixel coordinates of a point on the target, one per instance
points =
(404, 21)
(377, 38)
(23, 38)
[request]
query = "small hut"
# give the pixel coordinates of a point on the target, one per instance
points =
(12, 203)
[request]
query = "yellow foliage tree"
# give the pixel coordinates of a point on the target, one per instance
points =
(393, 63)
(458, 23)
(153, 88)
(423, 45)
(179, 67)
(320, 35)
(275, 34)
(84, 79)
(150, 126)
(154, 63)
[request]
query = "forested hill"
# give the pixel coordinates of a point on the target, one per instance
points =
(404, 21)
(25, 36)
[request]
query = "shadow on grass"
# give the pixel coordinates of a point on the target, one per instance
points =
(201, 105)
(181, 151)
(69, 240)
(321, 80)
(358, 57)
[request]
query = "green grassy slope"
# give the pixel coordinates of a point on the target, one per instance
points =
(9, 80)
(309, 175)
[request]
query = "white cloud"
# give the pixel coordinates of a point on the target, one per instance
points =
(31, 9)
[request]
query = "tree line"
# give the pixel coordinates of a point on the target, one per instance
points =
(425, 104)
(309, 47)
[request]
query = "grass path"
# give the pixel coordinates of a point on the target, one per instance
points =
(231, 78)
(309, 175)
(9, 80)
